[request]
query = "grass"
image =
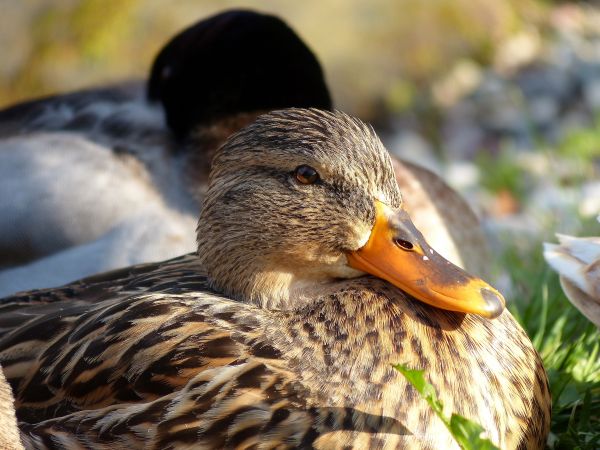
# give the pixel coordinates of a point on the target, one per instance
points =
(467, 434)
(568, 343)
(582, 143)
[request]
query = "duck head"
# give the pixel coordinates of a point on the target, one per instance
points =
(302, 198)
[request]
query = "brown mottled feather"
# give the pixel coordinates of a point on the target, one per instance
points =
(176, 364)
(153, 356)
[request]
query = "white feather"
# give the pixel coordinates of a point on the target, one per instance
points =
(577, 260)
(151, 235)
(87, 208)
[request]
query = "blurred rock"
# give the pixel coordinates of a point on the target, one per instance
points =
(518, 50)
(591, 95)
(539, 90)
(498, 106)
(462, 175)
(545, 81)
(462, 138)
(543, 110)
(460, 81)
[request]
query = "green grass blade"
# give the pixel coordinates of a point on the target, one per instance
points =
(465, 432)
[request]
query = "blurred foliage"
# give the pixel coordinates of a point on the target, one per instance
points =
(503, 173)
(582, 144)
(66, 43)
(376, 53)
(563, 168)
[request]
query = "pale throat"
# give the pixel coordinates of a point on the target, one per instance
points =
(285, 289)
(287, 276)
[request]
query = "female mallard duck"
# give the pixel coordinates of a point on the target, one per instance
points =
(273, 335)
(577, 260)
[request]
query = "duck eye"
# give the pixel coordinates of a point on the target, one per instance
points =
(306, 174)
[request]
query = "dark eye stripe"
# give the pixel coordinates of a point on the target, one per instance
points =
(306, 174)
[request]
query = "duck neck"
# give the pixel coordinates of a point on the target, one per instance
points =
(277, 288)
(352, 314)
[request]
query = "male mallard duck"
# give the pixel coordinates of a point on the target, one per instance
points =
(577, 260)
(274, 335)
(65, 160)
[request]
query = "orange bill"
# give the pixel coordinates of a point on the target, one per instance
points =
(397, 252)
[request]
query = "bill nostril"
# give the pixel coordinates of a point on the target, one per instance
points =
(404, 245)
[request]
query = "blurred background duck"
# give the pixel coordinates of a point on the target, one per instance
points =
(108, 167)
(577, 260)
(309, 281)
(65, 160)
